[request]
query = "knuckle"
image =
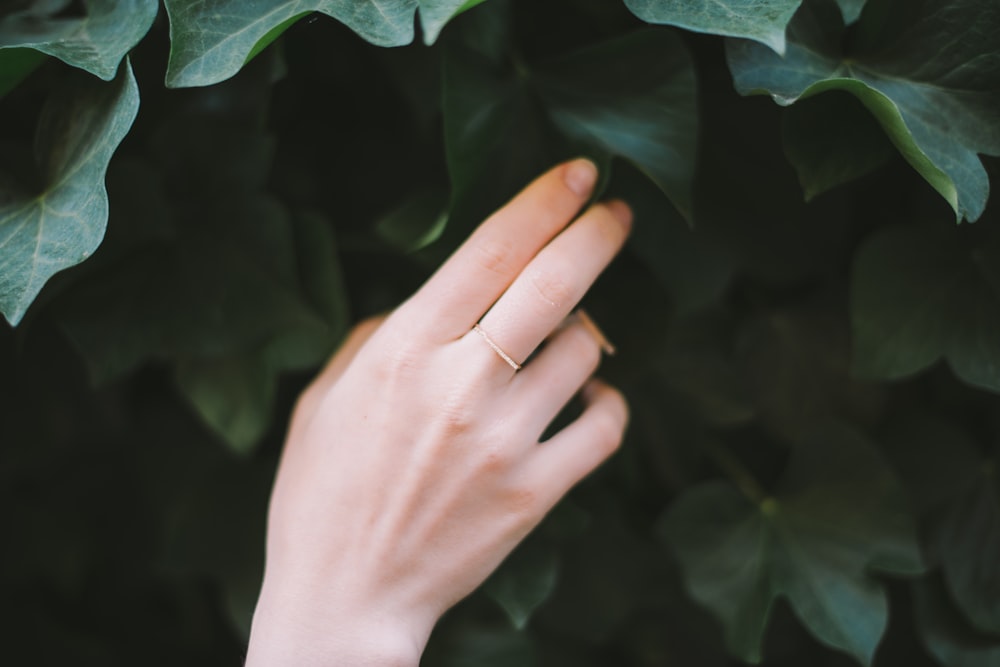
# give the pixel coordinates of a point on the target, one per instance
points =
(494, 461)
(456, 418)
(494, 255)
(552, 286)
(523, 502)
(398, 363)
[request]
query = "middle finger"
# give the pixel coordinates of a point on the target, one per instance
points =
(554, 281)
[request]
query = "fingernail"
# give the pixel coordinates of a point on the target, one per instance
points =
(580, 176)
(621, 211)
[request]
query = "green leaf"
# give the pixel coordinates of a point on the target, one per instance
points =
(234, 396)
(957, 490)
(210, 41)
(760, 20)
(633, 97)
(15, 65)
(96, 42)
(416, 223)
(969, 546)
(946, 634)
(524, 581)
(832, 140)
(919, 295)
(939, 112)
(837, 517)
(851, 9)
(42, 233)
(216, 529)
(434, 14)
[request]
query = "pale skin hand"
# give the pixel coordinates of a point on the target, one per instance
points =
(414, 465)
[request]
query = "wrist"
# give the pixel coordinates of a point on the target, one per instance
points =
(291, 633)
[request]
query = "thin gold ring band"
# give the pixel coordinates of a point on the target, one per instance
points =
(496, 348)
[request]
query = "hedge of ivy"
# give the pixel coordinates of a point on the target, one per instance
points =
(198, 200)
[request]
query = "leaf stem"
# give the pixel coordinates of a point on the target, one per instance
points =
(740, 476)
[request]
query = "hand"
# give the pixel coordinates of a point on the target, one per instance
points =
(413, 464)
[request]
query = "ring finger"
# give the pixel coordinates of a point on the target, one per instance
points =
(556, 279)
(554, 376)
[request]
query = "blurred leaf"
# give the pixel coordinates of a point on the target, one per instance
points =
(690, 266)
(608, 576)
(217, 531)
(919, 294)
(969, 544)
(837, 516)
(760, 20)
(15, 65)
(937, 461)
(472, 646)
(956, 488)
(524, 581)
(633, 97)
(42, 233)
(946, 634)
(832, 140)
(96, 41)
(214, 306)
(234, 396)
(851, 9)
(416, 223)
(793, 367)
(939, 113)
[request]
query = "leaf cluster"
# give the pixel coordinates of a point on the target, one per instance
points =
(197, 200)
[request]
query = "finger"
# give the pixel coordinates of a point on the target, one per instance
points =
(554, 376)
(556, 279)
(468, 283)
(335, 367)
(574, 452)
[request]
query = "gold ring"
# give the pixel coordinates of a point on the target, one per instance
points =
(496, 348)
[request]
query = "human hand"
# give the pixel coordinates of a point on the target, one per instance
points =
(413, 464)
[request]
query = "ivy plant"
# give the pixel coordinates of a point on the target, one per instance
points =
(198, 199)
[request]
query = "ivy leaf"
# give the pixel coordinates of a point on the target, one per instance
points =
(210, 41)
(760, 20)
(919, 295)
(633, 97)
(851, 9)
(940, 112)
(832, 140)
(957, 490)
(946, 634)
(42, 233)
(837, 516)
(434, 14)
(216, 529)
(524, 581)
(96, 42)
(969, 546)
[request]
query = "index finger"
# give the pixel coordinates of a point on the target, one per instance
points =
(474, 277)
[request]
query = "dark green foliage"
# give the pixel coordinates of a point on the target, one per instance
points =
(809, 342)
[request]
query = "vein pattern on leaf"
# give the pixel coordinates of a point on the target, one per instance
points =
(96, 42)
(939, 112)
(45, 233)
